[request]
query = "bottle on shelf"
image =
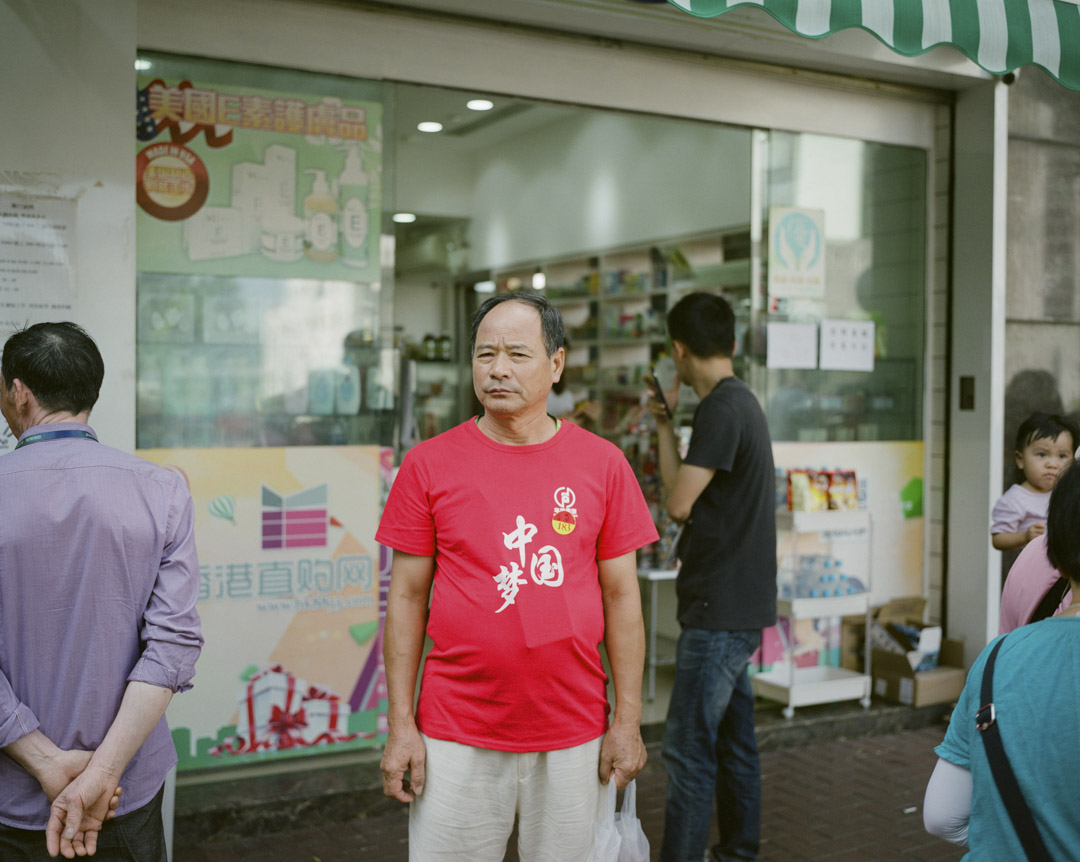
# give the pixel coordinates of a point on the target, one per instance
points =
(816, 576)
(347, 397)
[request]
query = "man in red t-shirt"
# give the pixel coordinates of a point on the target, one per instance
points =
(521, 532)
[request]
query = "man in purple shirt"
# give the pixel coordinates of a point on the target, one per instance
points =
(98, 628)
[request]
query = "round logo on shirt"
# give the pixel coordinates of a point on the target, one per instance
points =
(563, 522)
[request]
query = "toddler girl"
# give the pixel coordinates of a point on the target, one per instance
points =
(1044, 447)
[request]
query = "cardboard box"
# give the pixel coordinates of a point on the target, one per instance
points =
(894, 678)
(853, 628)
(853, 642)
(903, 610)
(897, 682)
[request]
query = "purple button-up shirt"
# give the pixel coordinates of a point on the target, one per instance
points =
(98, 584)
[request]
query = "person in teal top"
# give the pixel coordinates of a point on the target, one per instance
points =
(1037, 702)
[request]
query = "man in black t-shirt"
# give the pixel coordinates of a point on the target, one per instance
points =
(724, 494)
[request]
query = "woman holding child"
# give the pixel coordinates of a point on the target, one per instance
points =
(1035, 694)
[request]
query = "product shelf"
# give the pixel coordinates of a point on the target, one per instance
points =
(810, 685)
(803, 686)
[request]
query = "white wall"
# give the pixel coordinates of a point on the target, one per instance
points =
(602, 179)
(68, 108)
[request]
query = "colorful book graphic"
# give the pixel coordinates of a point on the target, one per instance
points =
(297, 520)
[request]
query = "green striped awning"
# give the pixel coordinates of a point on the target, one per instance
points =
(999, 35)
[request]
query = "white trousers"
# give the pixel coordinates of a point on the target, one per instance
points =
(466, 812)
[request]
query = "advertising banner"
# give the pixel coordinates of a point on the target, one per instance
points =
(292, 601)
(234, 180)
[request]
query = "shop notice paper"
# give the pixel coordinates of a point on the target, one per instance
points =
(791, 345)
(37, 273)
(847, 345)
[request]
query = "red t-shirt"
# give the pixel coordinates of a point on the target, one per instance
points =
(516, 612)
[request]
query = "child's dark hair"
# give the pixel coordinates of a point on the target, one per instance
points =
(1063, 524)
(1040, 425)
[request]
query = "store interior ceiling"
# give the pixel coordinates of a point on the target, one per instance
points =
(465, 130)
(425, 247)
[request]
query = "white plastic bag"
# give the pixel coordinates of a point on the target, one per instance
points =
(633, 846)
(606, 839)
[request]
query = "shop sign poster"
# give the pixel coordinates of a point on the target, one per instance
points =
(796, 252)
(292, 602)
(238, 181)
(847, 345)
(37, 267)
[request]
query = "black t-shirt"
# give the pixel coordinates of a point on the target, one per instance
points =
(728, 575)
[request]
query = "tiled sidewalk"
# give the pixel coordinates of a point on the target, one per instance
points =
(852, 800)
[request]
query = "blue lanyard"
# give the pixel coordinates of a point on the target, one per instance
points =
(54, 435)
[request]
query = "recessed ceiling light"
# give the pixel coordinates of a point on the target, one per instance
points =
(404, 218)
(479, 105)
(142, 65)
(429, 126)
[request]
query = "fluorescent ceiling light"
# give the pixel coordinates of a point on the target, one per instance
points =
(404, 218)
(479, 105)
(142, 65)
(539, 281)
(484, 287)
(429, 126)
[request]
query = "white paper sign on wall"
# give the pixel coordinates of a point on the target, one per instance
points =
(791, 345)
(37, 266)
(847, 345)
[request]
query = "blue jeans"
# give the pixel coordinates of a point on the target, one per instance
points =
(710, 749)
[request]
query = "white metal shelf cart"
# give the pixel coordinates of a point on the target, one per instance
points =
(837, 531)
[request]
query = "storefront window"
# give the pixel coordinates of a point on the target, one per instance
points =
(236, 361)
(264, 310)
(859, 372)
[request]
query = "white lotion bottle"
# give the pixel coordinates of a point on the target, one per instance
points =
(321, 219)
(353, 186)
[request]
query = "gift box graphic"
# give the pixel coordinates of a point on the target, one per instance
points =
(326, 715)
(278, 711)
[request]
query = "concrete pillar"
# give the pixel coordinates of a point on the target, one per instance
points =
(977, 356)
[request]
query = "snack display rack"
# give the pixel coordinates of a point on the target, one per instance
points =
(837, 533)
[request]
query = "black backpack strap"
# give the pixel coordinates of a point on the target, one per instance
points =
(1019, 813)
(1051, 600)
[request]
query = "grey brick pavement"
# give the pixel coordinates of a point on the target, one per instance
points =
(853, 800)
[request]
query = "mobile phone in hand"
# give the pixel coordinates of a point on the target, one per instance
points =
(653, 383)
